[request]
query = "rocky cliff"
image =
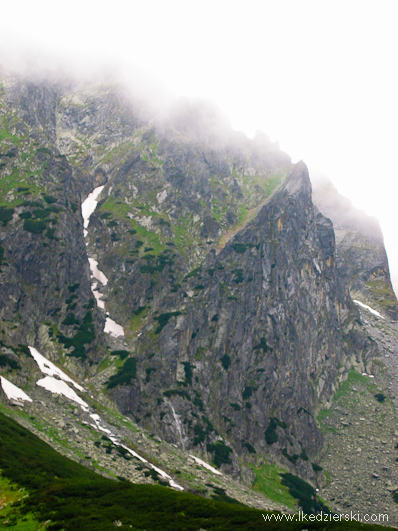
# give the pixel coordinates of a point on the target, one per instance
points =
(208, 298)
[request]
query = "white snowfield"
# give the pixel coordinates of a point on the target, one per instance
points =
(206, 465)
(47, 367)
(96, 273)
(371, 310)
(60, 387)
(90, 204)
(112, 328)
(88, 207)
(98, 295)
(12, 391)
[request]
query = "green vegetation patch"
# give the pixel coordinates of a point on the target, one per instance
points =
(304, 493)
(271, 435)
(163, 319)
(6, 214)
(73, 497)
(124, 375)
(122, 354)
(84, 336)
(221, 453)
(269, 482)
(226, 361)
(6, 361)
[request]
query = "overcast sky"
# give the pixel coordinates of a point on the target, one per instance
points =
(318, 76)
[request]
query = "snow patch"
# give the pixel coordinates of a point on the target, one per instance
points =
(112, 328)
(90, 204)
(47, 367)
(12, 391)
(97, 296)
(371, 310)
(96, 273)
(60, 387)
(206, 465)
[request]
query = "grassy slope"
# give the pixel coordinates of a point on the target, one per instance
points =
(73, 497)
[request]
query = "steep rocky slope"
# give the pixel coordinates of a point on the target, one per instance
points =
(361, 255)
(204, 294)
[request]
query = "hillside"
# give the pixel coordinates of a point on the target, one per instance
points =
(170, 291)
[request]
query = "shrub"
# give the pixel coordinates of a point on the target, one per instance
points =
(124, 375)
(50, 199)
(121, 353)
(238, 276)
(221, 453)
(249, 448)
(5, 361)
(70, 319)
(6, 214)
(188, 372)
(263, 345)
(304, 493)
(380, 397)
(176, 392)
(226, 361)
(247, 393)
(85, 335)
(163, 319)
(35, 226)
(271, 435)
(25, 215)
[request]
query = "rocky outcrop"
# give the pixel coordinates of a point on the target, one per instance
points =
(234, 298)
(361, 256)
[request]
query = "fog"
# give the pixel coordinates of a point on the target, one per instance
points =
(317, 76)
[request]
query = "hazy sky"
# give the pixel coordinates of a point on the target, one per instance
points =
(319, 76)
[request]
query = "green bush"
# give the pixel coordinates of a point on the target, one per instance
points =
(176, 392)
(163, 319)
(121, 353)
(226, 361)
(263, 345)
(125, 374)
(249, 447)
(5, 361)
(271, 435)
(304, 493)
(49, 199)
(188, 372)
(35, 226)
(70, 319)
(85, 335)
(25, 215)
(6, 214)
(247, 392)
(221, 453)
(238, 276)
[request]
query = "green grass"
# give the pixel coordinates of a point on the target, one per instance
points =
(11, 517)
(344, 397)
(382, 292)
(269, 482)
(74, 497)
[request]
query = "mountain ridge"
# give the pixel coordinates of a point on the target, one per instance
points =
(235, 297)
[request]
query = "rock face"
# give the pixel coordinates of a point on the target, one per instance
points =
(234, 299)
(361, 256)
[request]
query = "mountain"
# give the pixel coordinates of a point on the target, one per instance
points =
(194, 300)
